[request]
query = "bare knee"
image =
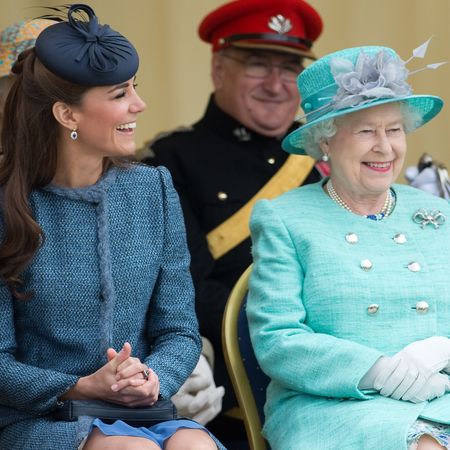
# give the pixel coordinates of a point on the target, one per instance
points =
(426, 442)
(187, 439)
(98, 441)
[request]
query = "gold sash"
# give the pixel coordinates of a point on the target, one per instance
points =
(234, 230)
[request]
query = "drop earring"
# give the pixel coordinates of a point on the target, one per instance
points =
(74, 135)
(325, 157)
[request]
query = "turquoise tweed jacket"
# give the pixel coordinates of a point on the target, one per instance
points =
(113, 267)
(319, 321)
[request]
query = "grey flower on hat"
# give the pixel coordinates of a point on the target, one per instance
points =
(369, 78)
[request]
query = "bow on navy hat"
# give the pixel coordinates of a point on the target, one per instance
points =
(85, 52)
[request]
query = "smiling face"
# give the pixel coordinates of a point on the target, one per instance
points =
(265, 105)
(106, 120)
(367, 152)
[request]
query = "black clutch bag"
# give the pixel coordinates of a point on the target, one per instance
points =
(161, 411)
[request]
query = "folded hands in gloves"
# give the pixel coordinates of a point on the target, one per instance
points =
(417, 373)
(199, 398)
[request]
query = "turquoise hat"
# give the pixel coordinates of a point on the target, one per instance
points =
(353, 79)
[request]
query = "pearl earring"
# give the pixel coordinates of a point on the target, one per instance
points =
(74, 135)
(325, 157)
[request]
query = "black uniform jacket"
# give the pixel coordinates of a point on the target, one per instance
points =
(217, 165)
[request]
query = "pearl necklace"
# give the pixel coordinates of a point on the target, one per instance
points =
(385, 210)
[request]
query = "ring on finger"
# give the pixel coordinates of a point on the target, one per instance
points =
(146, 373)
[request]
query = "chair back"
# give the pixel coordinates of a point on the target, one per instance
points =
(249, 381)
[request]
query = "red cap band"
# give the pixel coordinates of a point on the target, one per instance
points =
(286, 25)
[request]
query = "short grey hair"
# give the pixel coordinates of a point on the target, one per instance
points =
(313, 136)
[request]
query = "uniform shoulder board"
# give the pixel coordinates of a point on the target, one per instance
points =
(164, 134)
(147, 152)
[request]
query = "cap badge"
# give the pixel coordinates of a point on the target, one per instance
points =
(280, 24)
(242, 134)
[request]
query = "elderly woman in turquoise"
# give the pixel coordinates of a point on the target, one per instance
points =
(96, 299)
(349, 301)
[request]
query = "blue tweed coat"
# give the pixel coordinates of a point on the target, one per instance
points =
(310, 323)
(113, 267)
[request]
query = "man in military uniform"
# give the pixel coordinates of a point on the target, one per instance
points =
(234, 150)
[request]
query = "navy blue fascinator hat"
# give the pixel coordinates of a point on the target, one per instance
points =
(85, 52)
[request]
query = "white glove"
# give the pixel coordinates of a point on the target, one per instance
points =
(432, 353)
(436, 386)
(199, 398)
(427, 179)
(395, 377)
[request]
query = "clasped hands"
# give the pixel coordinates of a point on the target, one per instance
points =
(415, 373)
(122, 381)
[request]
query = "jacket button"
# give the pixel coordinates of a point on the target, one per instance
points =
(399, 238)
(414, 266)
(422, 307)
(222, 196)
(373, 308)
(351, 238)
(271, 161)
(366, 264)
